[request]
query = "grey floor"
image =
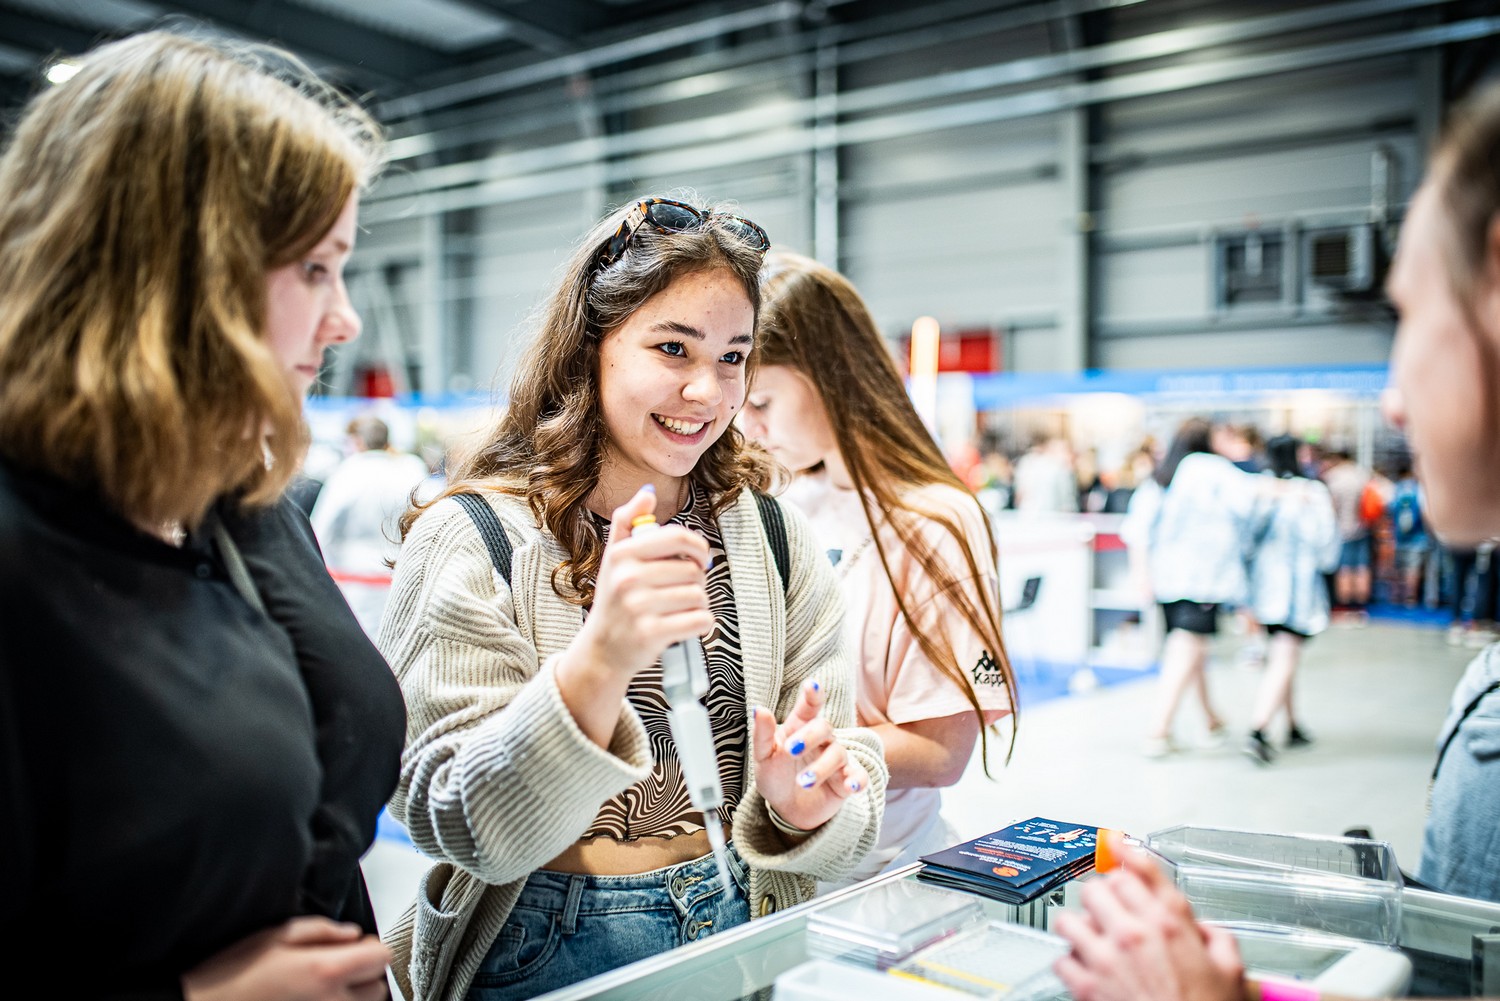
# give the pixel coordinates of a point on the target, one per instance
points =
(1373, 697)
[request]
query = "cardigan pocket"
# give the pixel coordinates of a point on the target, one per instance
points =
(445, 902)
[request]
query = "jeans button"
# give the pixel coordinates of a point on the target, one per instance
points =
(677, 886)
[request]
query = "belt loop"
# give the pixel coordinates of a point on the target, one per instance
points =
(570, 906)
(738, 870)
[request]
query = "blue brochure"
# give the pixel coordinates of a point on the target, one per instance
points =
(1016, 863)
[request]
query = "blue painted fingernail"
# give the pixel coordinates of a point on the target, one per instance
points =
(797, 748)
(815, 686)
(649, 488)
(853, 785)
(807, 779)
(752, 718)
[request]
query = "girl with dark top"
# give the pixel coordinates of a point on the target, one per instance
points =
(195, 736)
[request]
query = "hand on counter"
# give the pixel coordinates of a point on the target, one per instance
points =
(1136, 940)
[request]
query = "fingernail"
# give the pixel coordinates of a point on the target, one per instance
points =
(807, 779)
(650, 488)
(797, 748)
(752, 718)
(853, 785)
(815, 686)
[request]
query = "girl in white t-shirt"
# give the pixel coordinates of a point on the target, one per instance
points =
(909, 542)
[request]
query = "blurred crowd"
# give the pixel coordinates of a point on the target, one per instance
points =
(1388, 555)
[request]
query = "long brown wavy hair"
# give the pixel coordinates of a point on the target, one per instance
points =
(145, 201)
(815, 322)
(550, 444)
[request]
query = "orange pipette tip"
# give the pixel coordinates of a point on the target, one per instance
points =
(1107, 848)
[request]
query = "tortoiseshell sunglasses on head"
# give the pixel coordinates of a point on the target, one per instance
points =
(666, 216)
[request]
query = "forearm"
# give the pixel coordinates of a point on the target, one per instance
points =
(928, 754)
(592, 692)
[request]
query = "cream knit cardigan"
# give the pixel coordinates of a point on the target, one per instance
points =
(497, 779)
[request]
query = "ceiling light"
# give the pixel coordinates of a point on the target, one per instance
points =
(62, 71)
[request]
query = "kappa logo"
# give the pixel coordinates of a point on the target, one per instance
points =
(987, 671)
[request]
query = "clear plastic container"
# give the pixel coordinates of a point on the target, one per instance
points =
(1339, 886)
(1293, 854)
(887, 923)
(995, 960)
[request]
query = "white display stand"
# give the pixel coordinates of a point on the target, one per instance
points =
(1087, 614)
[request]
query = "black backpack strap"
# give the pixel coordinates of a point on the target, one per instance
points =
(773, 522)
(490, 530)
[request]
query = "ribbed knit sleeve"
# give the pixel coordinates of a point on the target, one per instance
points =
(815, 648)
(497, 777)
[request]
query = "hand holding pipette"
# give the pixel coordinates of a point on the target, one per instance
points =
(650, 593)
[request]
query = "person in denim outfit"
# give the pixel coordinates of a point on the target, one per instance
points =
(1296, 545)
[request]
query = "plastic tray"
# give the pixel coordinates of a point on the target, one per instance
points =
(995, 960)
(886, 924)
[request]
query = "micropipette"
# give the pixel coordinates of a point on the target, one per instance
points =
(684, 680)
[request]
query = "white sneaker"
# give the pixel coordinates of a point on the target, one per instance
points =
(1478, 639)
(1214, 739)
(1157, 747)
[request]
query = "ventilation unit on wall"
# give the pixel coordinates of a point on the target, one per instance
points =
(1249, 269)
(1340, 259)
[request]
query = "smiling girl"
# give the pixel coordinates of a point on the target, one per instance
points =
(539, 767)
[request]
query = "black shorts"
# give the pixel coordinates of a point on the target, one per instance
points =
(1192, 616)
(1273, 630)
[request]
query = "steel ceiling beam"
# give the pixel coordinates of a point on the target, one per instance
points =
(313, 33)
(553, 27)
(727, 139)
(886, 97)
(44, 36)
(487, 85)
(1013, 72)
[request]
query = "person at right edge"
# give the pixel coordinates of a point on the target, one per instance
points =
(1136, 938)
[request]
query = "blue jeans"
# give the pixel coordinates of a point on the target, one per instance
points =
(566, 927)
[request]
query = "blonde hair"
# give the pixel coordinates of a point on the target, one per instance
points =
(550, 444)
(146, 200)
(815, 322)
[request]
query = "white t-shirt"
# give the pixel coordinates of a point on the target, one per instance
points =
(356, 518)
(897, 683)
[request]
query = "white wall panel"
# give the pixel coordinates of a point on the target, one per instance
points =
(1163, 283)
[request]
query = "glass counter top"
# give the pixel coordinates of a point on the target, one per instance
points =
(1453, 942)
